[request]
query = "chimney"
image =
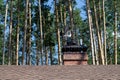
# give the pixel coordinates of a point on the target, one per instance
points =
(74, 54)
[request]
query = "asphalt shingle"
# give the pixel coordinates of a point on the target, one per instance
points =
(75, 72)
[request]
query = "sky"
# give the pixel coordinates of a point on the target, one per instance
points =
(80, 5)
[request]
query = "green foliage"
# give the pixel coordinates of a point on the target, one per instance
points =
(49, 30)
(81, 27)
(77, 18)
(1, 28)
(49, 39)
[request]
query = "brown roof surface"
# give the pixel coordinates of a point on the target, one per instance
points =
(76, 72)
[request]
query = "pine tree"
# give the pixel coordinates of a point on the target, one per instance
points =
(29, 37)
(58, 34)
(5, 23)
(25, 29)
(98, 34)
(41, 32)
(115, 32)
(10, 34)
(90, 29)
(104, 24)
(17, 33)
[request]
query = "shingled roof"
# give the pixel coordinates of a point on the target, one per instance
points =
(76, 72)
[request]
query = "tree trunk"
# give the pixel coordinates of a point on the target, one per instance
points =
(115, 32)
(17, 33)
(90, 29)
(100, 14)
(95, 49)
(104, 24)
(10, 34)
(41, 33)
(71, 18)
(51, 59)
(5, 23)
(64, 22)
(25, 29)
(37, 53)
(98, 35)
(29, 36)
(58, 35)
(100, 24)
(61, 20)
(61, 16)
(46, 56)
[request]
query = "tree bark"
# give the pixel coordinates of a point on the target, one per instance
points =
(41, 32)
(5, 23)
(90, 29)
(95, 49)
(61, 20)
(17, 32)
(51, 57)
(100, 24)
(25, 29)
(64, 22)
(104, 24)
(10, 34)
(61, 16)
(37, 54)
(46, 56)
(58, 35)
(29, 36)
(115, 32)
(71, 18)
(98, 35)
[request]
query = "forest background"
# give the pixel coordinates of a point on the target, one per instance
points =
(32, 31)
